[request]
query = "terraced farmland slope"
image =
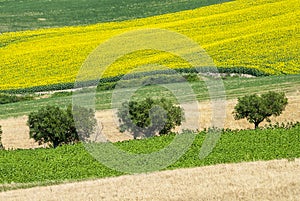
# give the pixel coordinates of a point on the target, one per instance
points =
(262, 34)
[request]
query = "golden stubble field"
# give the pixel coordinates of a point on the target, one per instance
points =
(269, 180)
(16, 132)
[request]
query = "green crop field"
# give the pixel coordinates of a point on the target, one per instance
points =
(234, 88)
(72, 162)
(19, 15)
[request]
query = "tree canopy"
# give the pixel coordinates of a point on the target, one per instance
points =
(257, 108)
(57, 126)
(149, 117)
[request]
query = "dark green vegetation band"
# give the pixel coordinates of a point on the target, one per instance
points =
(63, 86)
(7, 98)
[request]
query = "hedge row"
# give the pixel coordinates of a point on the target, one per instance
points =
(71, 85)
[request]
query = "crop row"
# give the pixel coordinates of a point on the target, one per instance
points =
(259, 35)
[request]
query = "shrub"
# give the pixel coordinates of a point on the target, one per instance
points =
(191, 77)
(8, 98)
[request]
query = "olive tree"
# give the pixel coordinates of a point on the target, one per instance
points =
(257, 108)
(57, 126)
(149, 117)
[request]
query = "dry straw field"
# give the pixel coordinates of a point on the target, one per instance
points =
(271, 180)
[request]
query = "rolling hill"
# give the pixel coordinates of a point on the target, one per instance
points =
(18, 15)
(261, 35)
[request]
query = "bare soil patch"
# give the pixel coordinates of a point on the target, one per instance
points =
(271, 180)
(16, 132)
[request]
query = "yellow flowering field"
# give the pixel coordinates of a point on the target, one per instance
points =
(261, 34)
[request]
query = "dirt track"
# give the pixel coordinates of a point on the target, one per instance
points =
(272, 180)
(16, 132)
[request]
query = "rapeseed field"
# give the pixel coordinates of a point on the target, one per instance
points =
(261, 34)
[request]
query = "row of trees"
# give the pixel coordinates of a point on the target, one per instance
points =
(144, 118)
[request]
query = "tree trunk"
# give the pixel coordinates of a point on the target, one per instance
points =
(256, 125)
(55, 144)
